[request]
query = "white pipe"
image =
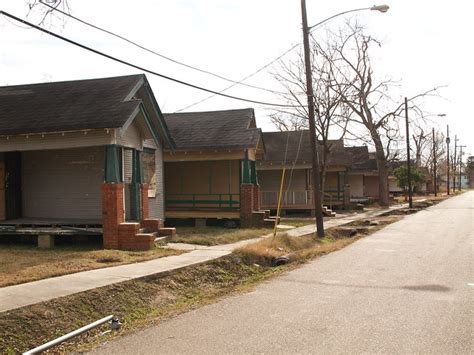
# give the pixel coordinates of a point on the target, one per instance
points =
(68, 336)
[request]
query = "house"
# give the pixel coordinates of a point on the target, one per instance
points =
(211, 174)
(363, 175)
(291, 150)
(84, 153)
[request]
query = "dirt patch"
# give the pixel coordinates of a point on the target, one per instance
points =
(25, 263)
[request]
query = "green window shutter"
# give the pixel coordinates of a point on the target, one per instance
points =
(253, 173)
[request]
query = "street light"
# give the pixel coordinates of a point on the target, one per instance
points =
(318, 206)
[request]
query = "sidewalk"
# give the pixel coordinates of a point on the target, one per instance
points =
(26, 294)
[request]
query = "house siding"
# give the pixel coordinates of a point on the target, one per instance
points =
(63, 183)
(131, 138)
(156, 204)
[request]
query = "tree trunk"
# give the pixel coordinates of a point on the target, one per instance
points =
(383, 169)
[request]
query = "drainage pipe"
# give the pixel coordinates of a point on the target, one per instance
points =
(70, 335)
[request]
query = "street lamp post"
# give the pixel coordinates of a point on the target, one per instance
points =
(317, 198)
(410, 195)
(448, 140)
(435, 182)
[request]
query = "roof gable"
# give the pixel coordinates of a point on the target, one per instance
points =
(229, 129)
(74, 105)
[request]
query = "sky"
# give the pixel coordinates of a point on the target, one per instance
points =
(425, 44)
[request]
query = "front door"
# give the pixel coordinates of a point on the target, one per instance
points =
(13, 184)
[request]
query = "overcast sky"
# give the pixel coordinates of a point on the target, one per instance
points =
(425, 44)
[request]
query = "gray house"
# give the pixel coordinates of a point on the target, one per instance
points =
(87, 152)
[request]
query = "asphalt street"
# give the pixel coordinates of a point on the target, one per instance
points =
(405, 289)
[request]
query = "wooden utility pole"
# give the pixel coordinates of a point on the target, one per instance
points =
(447, 157)
(454, 162)
(434, 165)
(460, 166)
(318, 206)
(410, 197)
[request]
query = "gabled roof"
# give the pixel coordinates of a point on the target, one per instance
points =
(361, 158)
(229, 129)
(73, 105)
(295, 146)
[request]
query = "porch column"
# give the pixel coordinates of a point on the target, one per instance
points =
(112, 197)
(136, 193)
(245, 170)
(347, 191)
(246, 204)
(256, 187)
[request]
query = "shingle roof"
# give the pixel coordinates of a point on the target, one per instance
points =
(281, 144)
(67, 105)
(229, 129)
(361, 159)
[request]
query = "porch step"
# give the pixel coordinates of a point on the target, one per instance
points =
(328, 212)
(167, 232)
(269, 223)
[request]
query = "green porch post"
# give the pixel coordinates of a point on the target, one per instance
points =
(253, 173)
(113, 163)
(137, 180)
(246, 172)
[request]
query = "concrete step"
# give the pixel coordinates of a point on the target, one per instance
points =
(268, 223)
(167, 232)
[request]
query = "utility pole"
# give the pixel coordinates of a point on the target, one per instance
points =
(460, 166)
(454, 162)
(447, 157)
(318, 206)
(434, 164)
(410, 197)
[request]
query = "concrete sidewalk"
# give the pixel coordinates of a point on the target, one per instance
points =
(26, 294)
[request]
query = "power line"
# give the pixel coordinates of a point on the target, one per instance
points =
(137, 66)
(243, 79)
(156, 53)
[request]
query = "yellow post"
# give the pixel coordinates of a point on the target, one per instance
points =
(279, 202)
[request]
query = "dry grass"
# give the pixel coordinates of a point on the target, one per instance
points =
(298, 249)
(25, 263)
(297, 222)
(217, 235)
(138, 304)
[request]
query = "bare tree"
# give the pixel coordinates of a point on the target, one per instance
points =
(368, 98)
(329, 110)
(45, 9)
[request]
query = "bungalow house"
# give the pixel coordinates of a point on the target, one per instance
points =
(364, 176)
(84, 153)
(291, 150)
(211, 174)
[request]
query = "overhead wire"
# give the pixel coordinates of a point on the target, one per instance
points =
(154, 52)
(137, 66)
(243, 79)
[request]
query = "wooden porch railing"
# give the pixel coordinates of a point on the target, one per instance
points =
(197, 201)
(299, 199)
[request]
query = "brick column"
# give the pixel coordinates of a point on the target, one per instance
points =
(256, 197)
(145, 210)
(112, 213)
(246, 204)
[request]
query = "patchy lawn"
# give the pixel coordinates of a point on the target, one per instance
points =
(297, 222)
(217, 235)
(143, 302)
(25, 263)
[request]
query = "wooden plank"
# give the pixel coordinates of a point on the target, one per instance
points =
(202, 214)
(203, 155)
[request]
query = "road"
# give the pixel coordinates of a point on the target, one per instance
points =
(406, 289)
